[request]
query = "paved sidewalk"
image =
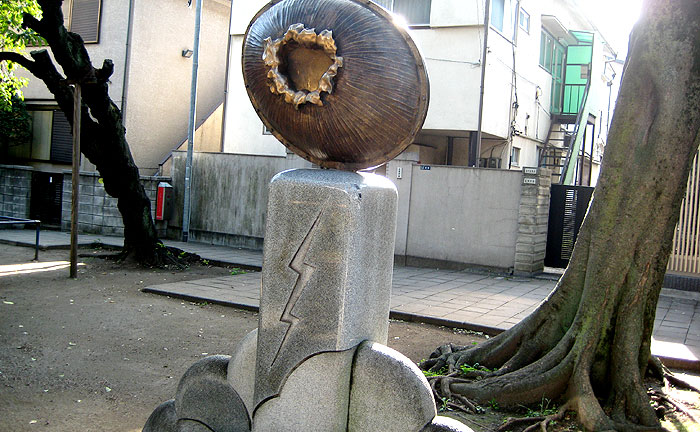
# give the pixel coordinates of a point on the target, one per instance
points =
(60, 240)
(482, 302)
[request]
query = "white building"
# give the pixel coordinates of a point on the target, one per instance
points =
(151, 84)
(151, 79)
(540, 55)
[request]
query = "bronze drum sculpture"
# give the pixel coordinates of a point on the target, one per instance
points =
(336, 81)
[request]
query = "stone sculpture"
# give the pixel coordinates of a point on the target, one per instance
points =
(317, 360)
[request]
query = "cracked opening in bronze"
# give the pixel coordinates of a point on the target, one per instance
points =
(302, 64)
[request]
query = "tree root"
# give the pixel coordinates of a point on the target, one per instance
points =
(517, 422)
(671, 379)
(162, 256)
(658, 369)
(441, 390)
(534, 423)
(657, 395)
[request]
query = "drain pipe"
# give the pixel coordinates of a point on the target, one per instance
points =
(127, 59)
(483, 79)
(228, 66)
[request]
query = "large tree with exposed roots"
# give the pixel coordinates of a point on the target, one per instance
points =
(103, 137)
(588, 343)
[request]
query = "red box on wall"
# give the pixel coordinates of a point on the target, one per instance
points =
(164, 201)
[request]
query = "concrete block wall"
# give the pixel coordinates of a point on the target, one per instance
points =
(456, 217)
(97, 211)
(533, 216)
(229, 196)
(15, 190)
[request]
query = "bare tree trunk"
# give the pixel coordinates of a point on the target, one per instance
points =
(589, 342)
(103, 136)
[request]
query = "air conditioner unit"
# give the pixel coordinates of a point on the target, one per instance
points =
(491, 162)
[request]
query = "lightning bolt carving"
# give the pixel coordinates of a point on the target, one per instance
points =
(304, 271)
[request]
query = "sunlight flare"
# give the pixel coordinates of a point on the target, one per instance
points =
(33, 267)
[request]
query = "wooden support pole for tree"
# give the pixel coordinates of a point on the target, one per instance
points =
(76, 182)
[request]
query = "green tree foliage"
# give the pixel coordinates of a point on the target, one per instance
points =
(15, 125)
(15, 38)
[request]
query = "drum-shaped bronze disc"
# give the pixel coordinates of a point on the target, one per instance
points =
(336, 81)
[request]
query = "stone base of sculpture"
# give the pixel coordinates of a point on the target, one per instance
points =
(317, 360)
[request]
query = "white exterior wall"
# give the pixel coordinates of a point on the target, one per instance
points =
(158, 85)
(158, 106)
(474, 218)
(243, 130)
(113, 30)
(452, 56)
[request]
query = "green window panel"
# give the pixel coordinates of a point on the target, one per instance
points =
(498, 14)
(577, 72)
(583, 36)
(552, 59)
(579, 54)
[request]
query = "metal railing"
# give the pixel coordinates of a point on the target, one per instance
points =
(8, 220)
(583, 111)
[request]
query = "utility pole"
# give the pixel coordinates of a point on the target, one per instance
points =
(477, 142)
(192, 124)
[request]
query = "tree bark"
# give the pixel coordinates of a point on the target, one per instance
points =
(103, 136)
(589, 341)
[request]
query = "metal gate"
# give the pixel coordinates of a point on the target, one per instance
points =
(46, 199)
(685, 255)
(567, 208)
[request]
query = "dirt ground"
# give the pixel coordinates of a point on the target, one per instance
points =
(97, 354)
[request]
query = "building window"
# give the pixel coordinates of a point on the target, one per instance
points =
(551, 53)
(415, 12)
(524, 20)
(51, 141)
(503, 13)
(515, 156)
(61, 139)
(42, 124)
(552, 58)
(85, 19)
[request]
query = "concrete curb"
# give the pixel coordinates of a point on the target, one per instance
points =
(92, 244)
(680, 363)
(197, 298)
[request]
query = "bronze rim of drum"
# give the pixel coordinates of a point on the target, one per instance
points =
(379, 90)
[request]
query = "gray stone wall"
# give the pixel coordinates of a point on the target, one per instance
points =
(15, 190)
(229, 196)
(97, 211)
(533, 216)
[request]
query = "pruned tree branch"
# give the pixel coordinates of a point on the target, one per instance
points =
(19, 59)
(67, 47)
(30, 22)
(105, 72)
